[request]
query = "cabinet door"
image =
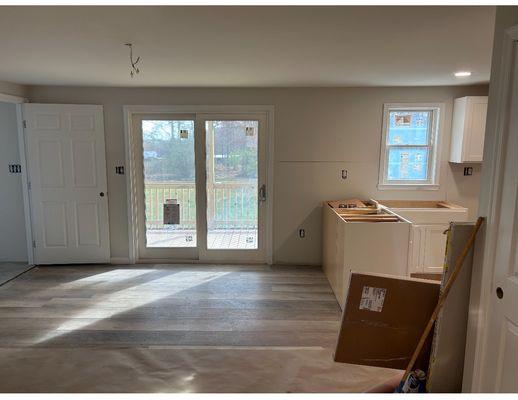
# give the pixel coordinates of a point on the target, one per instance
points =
(475, 129)
(415, 250)
(434, 248)
(468, 129)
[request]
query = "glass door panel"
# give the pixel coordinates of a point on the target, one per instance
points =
(232, 184)
(169, 183)
(167, 211)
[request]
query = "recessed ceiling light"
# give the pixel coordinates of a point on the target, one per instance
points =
(462, 74)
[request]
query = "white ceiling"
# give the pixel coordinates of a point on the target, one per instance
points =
(246, 46)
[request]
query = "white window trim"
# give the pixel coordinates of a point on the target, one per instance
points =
(435, 139)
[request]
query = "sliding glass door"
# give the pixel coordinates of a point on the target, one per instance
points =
(210, 163)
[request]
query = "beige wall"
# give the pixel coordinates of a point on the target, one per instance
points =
(13, 243)
(318, 132)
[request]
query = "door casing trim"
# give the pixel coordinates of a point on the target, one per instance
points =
(131, 193)
(490, 197)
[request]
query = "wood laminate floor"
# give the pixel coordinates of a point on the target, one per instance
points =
(173, 328)
(10, 270)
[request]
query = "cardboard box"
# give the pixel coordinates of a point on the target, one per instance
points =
(383, 319)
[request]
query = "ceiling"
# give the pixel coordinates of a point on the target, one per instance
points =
(246, 46)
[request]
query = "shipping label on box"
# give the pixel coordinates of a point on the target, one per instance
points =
(171, 212)
(372, 298)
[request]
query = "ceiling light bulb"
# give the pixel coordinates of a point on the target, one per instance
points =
(462, 74)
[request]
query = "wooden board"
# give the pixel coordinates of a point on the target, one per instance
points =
(449, 339)
(384, 333)
(425, 275)
(370, 218)
(417, 204)
(347, 203)
(352, 205)
(355, 211)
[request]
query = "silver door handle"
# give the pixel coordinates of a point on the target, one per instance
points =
(262, 193)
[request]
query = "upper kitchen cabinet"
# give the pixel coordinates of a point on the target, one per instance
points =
(468, 129)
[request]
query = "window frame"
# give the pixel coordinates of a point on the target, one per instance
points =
(434, 139)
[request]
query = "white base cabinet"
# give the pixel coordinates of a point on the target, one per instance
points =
(430, 220)
(427, 248)
(377, 247)
(415, 243)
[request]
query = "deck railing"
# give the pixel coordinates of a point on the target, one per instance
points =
(230, 205)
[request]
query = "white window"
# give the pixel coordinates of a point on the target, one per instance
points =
(409, 147)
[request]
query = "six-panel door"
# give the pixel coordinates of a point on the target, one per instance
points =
(67, 175)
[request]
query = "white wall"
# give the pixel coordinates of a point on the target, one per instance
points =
(318, 132)
(13, 244)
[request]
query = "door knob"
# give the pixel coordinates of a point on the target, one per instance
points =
(499, 292)
(101, 194)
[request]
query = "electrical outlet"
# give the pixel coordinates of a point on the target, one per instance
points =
(468, 171)
(119, 170)
(302, 233)
(345, 174)
(15, 168)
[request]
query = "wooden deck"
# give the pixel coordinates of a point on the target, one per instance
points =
(165, 328)
(216, 239)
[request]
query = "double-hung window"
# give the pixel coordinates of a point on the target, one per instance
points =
(409, 153)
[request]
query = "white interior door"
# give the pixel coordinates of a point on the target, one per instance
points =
(500, 364)
(67, 175)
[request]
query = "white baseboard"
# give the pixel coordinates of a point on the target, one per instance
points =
(119, 260)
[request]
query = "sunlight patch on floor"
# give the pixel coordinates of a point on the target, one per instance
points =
(107, 306)
(113, 276)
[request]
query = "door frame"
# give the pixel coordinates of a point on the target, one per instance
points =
(490, 198)
(19, 101)
(131, 172)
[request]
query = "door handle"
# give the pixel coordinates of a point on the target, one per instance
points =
(101, 194)
(262, 193)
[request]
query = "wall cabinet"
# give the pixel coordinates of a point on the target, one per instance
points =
(468, 129)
